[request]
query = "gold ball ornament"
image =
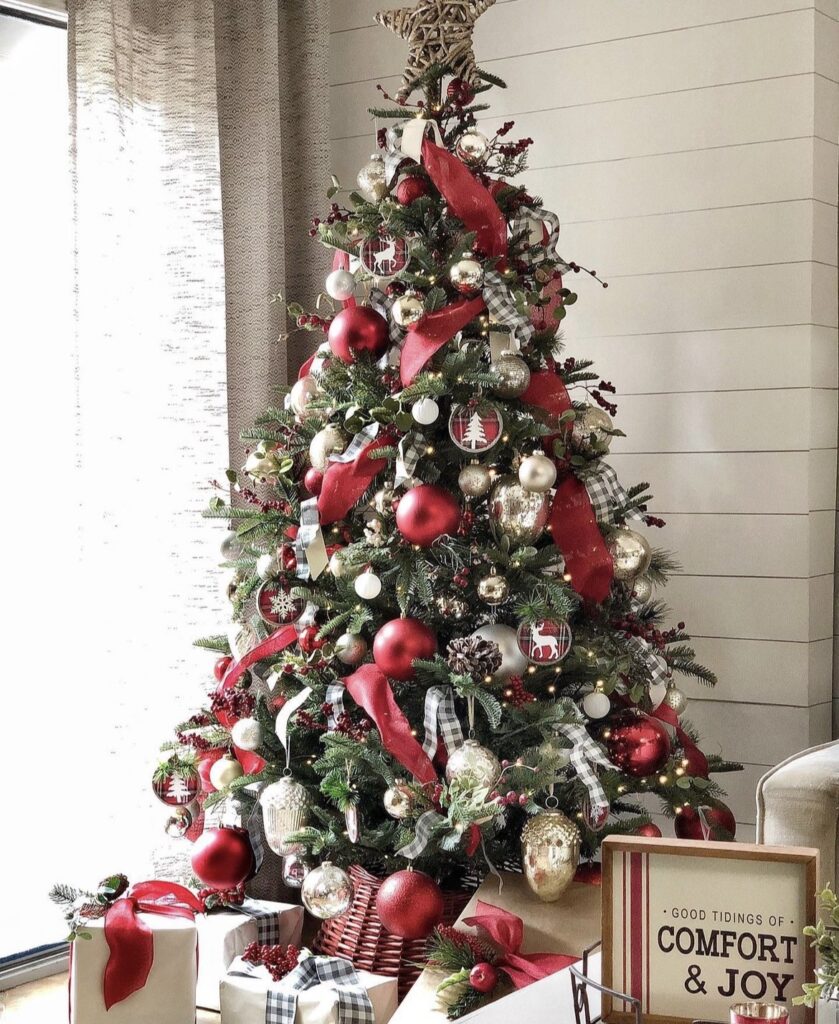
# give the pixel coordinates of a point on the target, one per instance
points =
(591, 427)
(302, 393)
(224, 771)
(474, 480)
(473, 766)
(493, 589)
(327, 891)
(451, 606)
(263, 463)
(675, 699)
(516, 513)
(472, 146)
(642, 589)
(467, 276)
(372, 180)
(350, 648)
(399, 800)
(328, 441)
(407, 310)
(537, 473)
(550, 854)
(514, 373)
(630, 553)
(286, 808)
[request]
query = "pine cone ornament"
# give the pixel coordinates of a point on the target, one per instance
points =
(473, 656)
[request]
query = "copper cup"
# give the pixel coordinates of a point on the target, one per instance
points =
(758, 1013)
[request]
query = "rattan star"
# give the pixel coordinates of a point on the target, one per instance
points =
(438, 32)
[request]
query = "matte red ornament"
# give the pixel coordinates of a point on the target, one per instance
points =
(409, 904)
(221, 666)
(308, 639)
(483, 977)
(313, 480)
(398, 643)
(460, 91)
(637, 744)
(690, 825)
(410, 189)
(358, 329)
(222, 857)
(650, 830)
(426, 513)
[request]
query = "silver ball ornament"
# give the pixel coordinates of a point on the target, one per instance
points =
(407, 310)
(425, 411)
(513, 662)
(642, 589)
(550, 854)
(247, 734)
(302, 392)
(537, 473)
(675, 699)
(630, 552)
(350, 648)
(286, 807)
(474, 480)
(472, 146)
(596, 704)
(493, 589)
(368, 586)
(473, 766)
(327, 891)
(514, 373)
(340, 285)
(591, 426)
(516, 513)
(372, 179)
(328, 441)
(231, 547)
(224, 771)
(467, 275)
(399, 800)
(294, 870)
(178, 823)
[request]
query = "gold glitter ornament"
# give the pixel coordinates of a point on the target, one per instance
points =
(550, 854)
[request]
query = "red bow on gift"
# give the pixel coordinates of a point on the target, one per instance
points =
(130, 940)
(506, 931)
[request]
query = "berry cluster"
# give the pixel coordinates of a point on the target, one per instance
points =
(461, 577)
(280, 960)
(514, 149)
(481, 950)
(658, 638)
(510, 798)
(187, 738)
(211, 897)
(252, 498)
(234, 701)
(516, 694)
(313, 320)
(335, 215)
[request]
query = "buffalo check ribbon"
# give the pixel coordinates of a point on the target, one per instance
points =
(502, 308)
(606, 492)
(585, 754)
(654, 663)
(309, 545)
(411, 449)
(440, 719)
(426, 823)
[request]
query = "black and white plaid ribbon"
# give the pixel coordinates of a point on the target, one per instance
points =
(254, 827)
(585, 754)
(654, 663)
(268, 928)
(394, 157)
(309, 545)
(383, 303)
(357, 445)
(411, 450)
(502, 309)
(606, 493)
(522, 221)
(335, 700)
(426, 823)
(440, 719)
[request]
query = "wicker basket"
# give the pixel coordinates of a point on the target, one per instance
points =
(358, 934)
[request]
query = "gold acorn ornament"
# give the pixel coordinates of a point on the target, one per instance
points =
(372, 179)
(591, 427)
(399, 800)
(514, 374)
(550, 853)
(286, 808)
(630, 553)
(473, 766)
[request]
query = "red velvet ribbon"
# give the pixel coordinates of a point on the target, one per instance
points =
(698, 761)
(369, 688)
(432, 332)
(506, 931)
(345, 482)
(130, 940)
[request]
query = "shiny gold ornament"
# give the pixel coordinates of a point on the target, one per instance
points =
(263, 463)
(474, 480)
(473, 766)
(516, 513)
(350, 648)
(675, 699)
(453, 607)
(642, 589)
(326, 442)
(591, 427)
(286, 807)
(407, 310)
(493, 589)
(304, 391)
(472, 146)
(630, 553)
(514, 373)
(537, 473)
(550, 854)
(467, 275)
(327, 891)
(372, 180)
(399, 800)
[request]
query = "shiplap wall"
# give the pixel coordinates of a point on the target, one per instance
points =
(691, 152)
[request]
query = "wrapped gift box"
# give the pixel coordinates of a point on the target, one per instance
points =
(243, 999)
(224, 934)
(168, 997)
(567, 926)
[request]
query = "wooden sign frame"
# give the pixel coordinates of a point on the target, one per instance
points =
(630, 864)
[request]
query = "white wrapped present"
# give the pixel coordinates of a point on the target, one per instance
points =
(223, 935)
(320, 990)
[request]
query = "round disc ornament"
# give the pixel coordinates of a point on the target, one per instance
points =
(275, 604)
(176, 785)
(384, 255)
(544, 642)
(475, 428)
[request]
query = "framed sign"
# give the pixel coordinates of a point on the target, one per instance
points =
(689, 928)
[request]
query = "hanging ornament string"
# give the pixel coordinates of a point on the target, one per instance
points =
(284, 720)
(345, 482)
(440, 719)
(585, 753)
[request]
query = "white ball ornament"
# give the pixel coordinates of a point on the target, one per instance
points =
(226, 770)
(368, 586)
(247, 734)
(513, 662)
(596, 704)
(266, 566)
(425, 411)
(537, 473)
(340, 285)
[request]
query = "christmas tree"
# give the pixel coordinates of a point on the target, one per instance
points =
(447, 639)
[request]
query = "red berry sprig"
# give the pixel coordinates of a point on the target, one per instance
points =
(280, 960)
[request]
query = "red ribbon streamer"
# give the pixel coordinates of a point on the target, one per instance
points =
(369, 688)
(345, 482)
(130, 940)
(432, 332)
(698, 761)
(506, 930)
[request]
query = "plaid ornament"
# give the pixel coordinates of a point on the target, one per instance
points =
(440, 719)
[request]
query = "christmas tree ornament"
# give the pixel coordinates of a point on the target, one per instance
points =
(409, 904)
(368, 586)
(466, 276)
(514, 374)
(475, 427)
(178, 823)
(247, 734)
(516, 513)
(399, 643)
(407, 310)
(176, 783)
(358, 329)
(474, 480)
(340, 285)
(267, 566)
(591, 428)
(231, 547)
(675, 699)
(327, 891)
(350, 648)
(493, 589)
(410, 189)
(330, 440)
(716, 824)
(472, 146)
(339, 565)
(222, 857)
(596, 704)
(221, 666)
(638, 744)
(650, 830)
(460, 92)
(537, 473)
(225, 771)
(313, 480)
(544, 642)
(451, 606)
(550, 854)
(275, 604)
(399, 800)
(384, 256)
(310, 640)
(426, 513)
(483, 978)
(352, 823)
(303, 391)
(513, 662)
(294, 870)
(473, 656)
(263, 463)
(473, 766)
(642, 589)
(630, 553)
(425, 411)
(286, 808)
(372, 179)
(382, 500)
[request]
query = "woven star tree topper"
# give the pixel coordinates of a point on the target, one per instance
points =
(438, 32)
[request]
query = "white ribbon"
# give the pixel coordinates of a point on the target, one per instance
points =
(284, 718)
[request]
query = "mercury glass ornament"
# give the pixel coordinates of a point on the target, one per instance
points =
(675, 699)
(328, 441)
(368, 585)
(513, 662)
(407, 309)
(591, 426)
(247, 734)
(178, 823)
(493, 589)
(302, 392)
(473, 766)
(350, 648)
(630, 553)
(537, 473)
(550, 854)
(286, 808)
(294, 870)
(327, 891)
(472, 146)
(451, 606)
(642, 589)
(467, 275)
(399, 800)
(263, 463)
(425, 411)
(514, 373)
(516, 513)
(372, 179)
(340, 285)
(474, 480)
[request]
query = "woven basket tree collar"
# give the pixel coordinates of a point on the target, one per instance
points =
(438, 32)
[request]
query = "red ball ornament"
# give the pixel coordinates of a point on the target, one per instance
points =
(221, 666)
(637, 744)
(409, 904)
(650, 830)
(222, 857)
(409, 189)
(358, 329)
(426, 513)
(308, 639)
(288, 559)
(313, 480)
(483, 977)
(590, 873)
(690, 825)
(460, 92)
(398, 643)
